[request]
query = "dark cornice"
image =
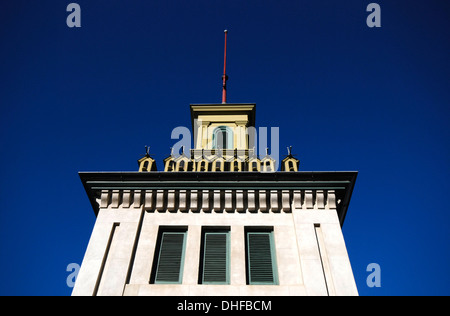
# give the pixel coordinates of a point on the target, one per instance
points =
(342, 182)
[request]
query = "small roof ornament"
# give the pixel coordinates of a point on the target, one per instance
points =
(290, 163)
(147, 163)
(147, 151)
(289, 149)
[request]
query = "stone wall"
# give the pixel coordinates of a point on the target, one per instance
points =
(310, 250)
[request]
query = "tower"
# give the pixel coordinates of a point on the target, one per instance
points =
(219, 220)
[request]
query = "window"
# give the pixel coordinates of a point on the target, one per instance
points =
(215, 257)
(218, 165)
(291, 166)
(261, 258)
(223, 138)
(170, 256)
(267, 166)
(254, 165)
(202, 165)
(236, 165)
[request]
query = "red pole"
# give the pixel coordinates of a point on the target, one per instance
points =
(224, 77)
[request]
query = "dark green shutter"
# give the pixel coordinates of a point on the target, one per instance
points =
(216, 258)
(261, 258)
(171, 258)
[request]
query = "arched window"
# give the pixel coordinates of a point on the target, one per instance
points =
(223, 138)
(291, 165)
(218, 165)
(202, 165)
(236, 165)
(268, 166)
(183, 164)
(254, 165)
(170, 166)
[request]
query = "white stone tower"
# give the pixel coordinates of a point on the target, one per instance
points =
(219, 220)
(215, 223)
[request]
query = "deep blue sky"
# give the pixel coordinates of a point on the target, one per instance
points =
(347, 97)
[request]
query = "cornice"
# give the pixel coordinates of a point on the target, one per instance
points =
(340, 183)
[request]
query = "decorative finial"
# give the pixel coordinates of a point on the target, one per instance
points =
(147, 151)
(267, 151)
(289, 149)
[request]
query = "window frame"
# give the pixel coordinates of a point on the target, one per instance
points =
(229, 139)
(227, 259)
(270, 233)
(158, 250)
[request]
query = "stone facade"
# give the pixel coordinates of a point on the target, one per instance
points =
(305, 212)
(269, 233)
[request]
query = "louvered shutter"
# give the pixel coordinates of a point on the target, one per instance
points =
(216, 258)
(261, 258)
(171, 258)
